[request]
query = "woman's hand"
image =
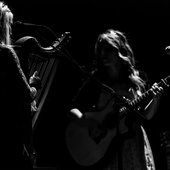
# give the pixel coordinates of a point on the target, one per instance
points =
(156, 90)
(33, 92)
(76, 112)
(35, 80)
(152, 107)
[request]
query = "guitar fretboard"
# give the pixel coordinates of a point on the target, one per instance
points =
(163, 83)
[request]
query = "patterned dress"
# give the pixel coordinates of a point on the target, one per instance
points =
(133, 157)
(134, 152)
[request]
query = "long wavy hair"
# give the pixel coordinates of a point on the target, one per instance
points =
(117, 40)
(6, 20)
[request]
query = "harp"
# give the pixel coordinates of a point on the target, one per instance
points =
(46, 69)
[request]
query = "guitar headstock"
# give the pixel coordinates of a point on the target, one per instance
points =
(167, 80)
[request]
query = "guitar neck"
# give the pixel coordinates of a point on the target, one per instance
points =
(163, 83)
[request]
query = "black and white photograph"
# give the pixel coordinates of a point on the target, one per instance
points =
(86, 85)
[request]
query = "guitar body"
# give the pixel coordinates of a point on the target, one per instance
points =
(88, 140)
(84, 150)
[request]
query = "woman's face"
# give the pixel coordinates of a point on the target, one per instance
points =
(111, 63)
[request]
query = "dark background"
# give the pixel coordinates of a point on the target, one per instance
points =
(146, 24)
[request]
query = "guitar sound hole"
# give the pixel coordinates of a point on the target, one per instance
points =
(97, 133)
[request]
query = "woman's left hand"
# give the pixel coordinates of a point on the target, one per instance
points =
(157, 91)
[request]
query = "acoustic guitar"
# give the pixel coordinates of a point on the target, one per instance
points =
(88, 139)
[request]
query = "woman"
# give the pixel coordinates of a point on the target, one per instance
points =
(115, 127)
(16, 96)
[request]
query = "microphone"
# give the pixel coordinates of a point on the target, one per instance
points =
(19, 23)
(32, 26)
(167, 50)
